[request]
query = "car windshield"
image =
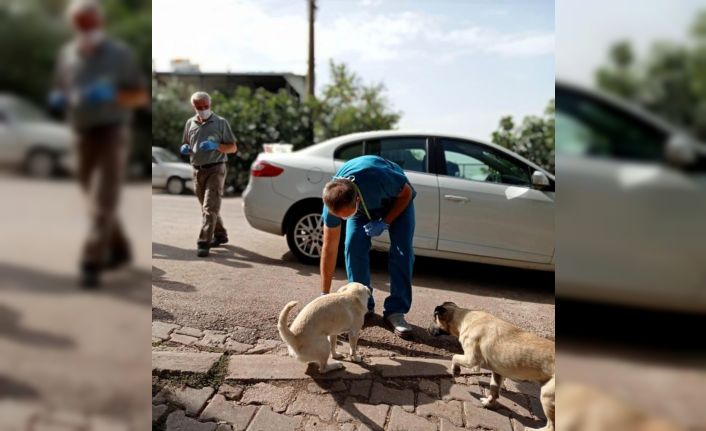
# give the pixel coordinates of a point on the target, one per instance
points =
(166, 156)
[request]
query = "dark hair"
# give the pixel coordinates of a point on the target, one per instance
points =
(339, 194)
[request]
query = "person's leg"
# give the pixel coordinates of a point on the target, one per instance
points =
(401, 263)
(212, 202)
(220, 232)
(357, 253)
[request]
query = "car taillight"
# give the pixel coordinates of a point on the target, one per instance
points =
(262, 168)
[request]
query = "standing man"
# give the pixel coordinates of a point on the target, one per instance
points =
(98, 83)
(373, 195)
(208, 138)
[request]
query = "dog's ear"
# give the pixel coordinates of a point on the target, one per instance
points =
(441, 312)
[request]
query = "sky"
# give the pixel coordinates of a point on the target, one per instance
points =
(585, 31)
(454, 66)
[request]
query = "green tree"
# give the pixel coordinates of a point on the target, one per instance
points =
(533, 138)
(670, 81)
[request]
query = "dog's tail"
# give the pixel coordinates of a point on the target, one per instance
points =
(284, 331)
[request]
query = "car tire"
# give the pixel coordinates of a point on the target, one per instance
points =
(175, 186)
(41, 164)
(297, 226)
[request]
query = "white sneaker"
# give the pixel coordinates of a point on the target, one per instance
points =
(401, 327)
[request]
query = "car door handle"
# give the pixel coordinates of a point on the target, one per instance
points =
(456, 198)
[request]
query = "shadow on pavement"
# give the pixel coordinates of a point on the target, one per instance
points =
(11, 327)
(161, 315)
(128, 284)
(419, 335)
(177, 286)
(528, 389)
(16, 390)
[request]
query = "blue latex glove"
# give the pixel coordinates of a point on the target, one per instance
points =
(99, 92)
(185, 149)
(208, 146)
(58, 100)
(376, 228)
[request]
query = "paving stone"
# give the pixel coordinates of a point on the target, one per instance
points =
(412, 367)
(236, 347)
(186, 362)
(230, 392)
(265, 393)
(273, 367)
(212, 340)
(264, 346)
(337, 386)
(192, 400)
(224, 427)
(455, 391)
(156, 340)
(428, 387)
(478, 417)
(103, 423)
(162, 330)
(446, 425)
(400, 420)
(178, 421)
(214, 332)
(17, 414)
(267, 420)
(388, 395)
(158, 412)
(313, 423)
(361, 388)
(451, 410)
(183, 339)
(187, 330)
(313, 404)
(372, 415)
(220, 409)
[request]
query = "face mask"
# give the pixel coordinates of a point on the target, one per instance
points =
(204, 114)
(91, 38)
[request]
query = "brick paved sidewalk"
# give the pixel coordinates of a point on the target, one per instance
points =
(213, 381)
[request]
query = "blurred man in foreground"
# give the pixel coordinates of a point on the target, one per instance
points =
(208, 139)
(98, 83)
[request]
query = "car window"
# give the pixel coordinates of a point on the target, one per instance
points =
(591, 128)
(166, 156)
(349, 151)
(478, 162)
(410, 153)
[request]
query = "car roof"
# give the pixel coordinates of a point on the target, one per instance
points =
(323, 147)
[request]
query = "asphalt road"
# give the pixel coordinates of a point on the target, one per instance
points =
(248, 281)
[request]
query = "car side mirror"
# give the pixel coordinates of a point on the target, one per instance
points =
(540, 180)
(680, 151)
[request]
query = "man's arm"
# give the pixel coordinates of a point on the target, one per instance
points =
(401, 202)
(229, 148)
(329, 254)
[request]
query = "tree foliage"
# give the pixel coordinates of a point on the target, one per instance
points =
(670, 81)
(533, 138)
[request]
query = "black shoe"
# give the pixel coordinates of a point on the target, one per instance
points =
(90, 276)
(216, 242)
(202, 250)
(118, 259)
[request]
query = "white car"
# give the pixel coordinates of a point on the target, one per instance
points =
(475, 201)
(630, 219)
(170, 173)
(30, 141)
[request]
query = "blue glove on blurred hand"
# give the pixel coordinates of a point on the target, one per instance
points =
(185, 149)
(376, 228)
(99, 92)
(58, 100)
(208, 146)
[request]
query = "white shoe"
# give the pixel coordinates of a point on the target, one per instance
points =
(401, 327)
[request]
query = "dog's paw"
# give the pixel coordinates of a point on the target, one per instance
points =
(455, 370)
(488, 402)
(356, 358)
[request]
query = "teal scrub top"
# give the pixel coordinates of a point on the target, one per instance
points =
(379, 180)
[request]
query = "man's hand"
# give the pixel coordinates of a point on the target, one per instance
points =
(376, 228)
(185, 149)
(208, 145)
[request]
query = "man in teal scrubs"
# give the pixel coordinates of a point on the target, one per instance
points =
(373, 195)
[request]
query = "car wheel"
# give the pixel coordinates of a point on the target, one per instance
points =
(41, 164)
(305, 235)
(175, 186)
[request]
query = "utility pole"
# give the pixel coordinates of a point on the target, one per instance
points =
(310, 82)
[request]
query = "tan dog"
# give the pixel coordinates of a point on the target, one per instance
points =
(504, 349)
(312, 336)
